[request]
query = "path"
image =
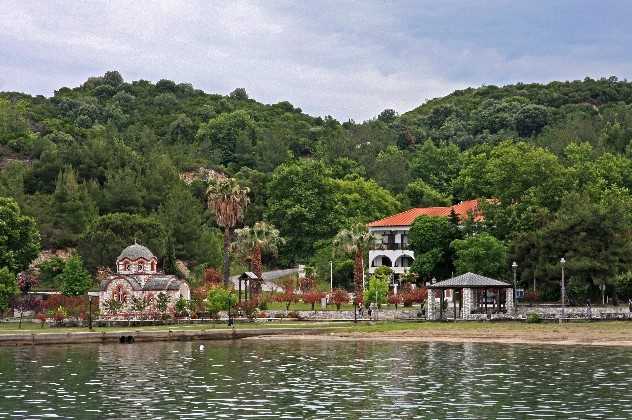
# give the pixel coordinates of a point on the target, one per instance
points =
(268, 276)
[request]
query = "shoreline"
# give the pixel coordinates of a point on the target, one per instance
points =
(608, 333)
(454, 339)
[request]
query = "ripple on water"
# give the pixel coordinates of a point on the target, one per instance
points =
(296, 379)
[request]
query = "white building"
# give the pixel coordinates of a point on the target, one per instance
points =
(394, 251)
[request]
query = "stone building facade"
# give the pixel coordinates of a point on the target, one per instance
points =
(137, 276)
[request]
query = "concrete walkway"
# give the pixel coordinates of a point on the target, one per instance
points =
(268, 276)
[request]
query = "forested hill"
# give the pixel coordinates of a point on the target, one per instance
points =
(99, 165)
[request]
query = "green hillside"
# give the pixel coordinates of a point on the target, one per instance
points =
(100, 165)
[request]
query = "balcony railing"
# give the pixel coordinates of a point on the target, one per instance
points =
(391, 246)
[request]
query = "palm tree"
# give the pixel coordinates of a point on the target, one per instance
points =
(229, 201)
(251, 242)
(355, 241)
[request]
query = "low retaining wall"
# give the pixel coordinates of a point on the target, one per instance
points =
(147, 336)
(580, 312)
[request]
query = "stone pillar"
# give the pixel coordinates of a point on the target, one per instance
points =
(431, 308)
(509, 301)
(468, 302)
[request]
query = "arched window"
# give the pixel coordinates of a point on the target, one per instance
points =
(140, 267)
(128, 267)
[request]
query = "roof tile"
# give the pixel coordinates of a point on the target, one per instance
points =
(407, 217)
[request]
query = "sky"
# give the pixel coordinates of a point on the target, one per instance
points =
(348, 59)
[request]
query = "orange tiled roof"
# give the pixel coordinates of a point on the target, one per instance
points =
(407, 217)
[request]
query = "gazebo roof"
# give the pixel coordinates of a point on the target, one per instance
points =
(469, 280)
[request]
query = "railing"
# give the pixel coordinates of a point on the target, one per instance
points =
(391, 247)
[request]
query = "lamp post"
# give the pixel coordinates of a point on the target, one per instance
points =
(331, 276)
(514, 266)
(562, 262)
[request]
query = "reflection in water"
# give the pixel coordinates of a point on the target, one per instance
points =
(297, 379)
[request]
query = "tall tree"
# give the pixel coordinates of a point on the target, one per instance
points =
(481, 254)
(252, 242)
(229, 201)
(355, 241)
(19, 238)
(75, 279)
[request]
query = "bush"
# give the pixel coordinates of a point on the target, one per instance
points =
(534, 318)
(182, 306)
(394, 299)
(532, 297)
(248, 308)
(293, 314)
(339, 297)
(313, 297)
(219, 299)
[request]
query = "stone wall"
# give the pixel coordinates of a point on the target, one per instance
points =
(380, 314)
(557, 311)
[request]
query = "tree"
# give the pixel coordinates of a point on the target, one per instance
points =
(339, 297)
(220, 299)
(251, 242)
(531, 119)
(240, 94)
(482, 254)
(312, 297)
(19, 238)
(73, 209)
(420, 194)
(300, 200)
(75, 279)
(377, 290)
(430, 238)
(108, 235)
(229, 201)
(170, 265)
(357, 200)
(8, 288)
(355, 241)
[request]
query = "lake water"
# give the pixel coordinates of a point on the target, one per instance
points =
(299, 379)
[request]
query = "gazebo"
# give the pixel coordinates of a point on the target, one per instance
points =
(247, 279)
(478, 297)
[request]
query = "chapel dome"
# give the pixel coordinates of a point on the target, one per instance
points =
(136, 251)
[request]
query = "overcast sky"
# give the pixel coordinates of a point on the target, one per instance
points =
(346, 59)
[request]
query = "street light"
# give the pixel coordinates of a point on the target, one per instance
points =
(514, 266)
(331, 276)
(562, 262)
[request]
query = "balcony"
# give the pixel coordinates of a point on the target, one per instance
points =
(398, 260)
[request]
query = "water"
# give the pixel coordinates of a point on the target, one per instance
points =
(299, 379)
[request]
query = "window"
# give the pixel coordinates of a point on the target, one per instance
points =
(128, 267)
(140, 267)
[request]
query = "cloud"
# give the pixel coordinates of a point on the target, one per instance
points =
(347, 59)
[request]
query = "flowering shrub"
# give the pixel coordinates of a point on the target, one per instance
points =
(532, 297)
(394, 299)
(212, 277)
(41, 317)
(287, 296)
(411, 296)
(339, 297)
(248, 308)
(312, 297)
(306, 283)
(73, 306)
